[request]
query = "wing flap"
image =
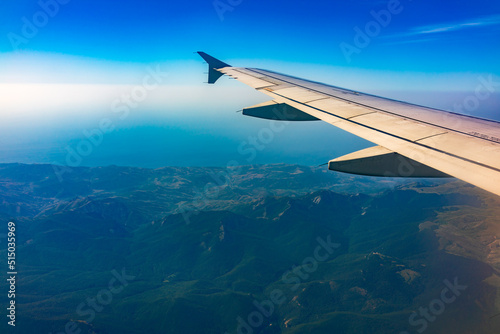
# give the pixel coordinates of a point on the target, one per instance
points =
(398, 126)
(300, 94)
(339, 108)
(466, 147)
(480, 175)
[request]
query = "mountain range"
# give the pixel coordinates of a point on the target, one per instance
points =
(249, 249)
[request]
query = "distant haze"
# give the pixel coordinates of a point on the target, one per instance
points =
(176, 126)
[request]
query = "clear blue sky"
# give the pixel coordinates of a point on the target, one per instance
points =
(424, 47)
(296, 31)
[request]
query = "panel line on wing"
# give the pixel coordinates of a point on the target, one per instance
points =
(366, 113)
(319, 99)
(438, 134)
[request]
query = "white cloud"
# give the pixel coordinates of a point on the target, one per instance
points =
(446, 27)
(429, 32)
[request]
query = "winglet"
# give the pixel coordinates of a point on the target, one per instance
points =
(213, 65)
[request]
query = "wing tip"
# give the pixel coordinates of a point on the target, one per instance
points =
(213, 65)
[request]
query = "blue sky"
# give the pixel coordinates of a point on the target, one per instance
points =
(294, 31)
(62, 67)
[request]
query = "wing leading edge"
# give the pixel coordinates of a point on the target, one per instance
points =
(413, 141)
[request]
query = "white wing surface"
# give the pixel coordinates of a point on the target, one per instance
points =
(413, 141)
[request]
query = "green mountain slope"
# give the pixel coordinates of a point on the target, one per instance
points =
(269, 249)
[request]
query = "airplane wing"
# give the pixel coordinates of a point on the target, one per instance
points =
(412, 140)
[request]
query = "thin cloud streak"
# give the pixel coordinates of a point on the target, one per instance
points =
(438, 28)
(425, 31)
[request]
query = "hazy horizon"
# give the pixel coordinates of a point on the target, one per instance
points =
(90, 62)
